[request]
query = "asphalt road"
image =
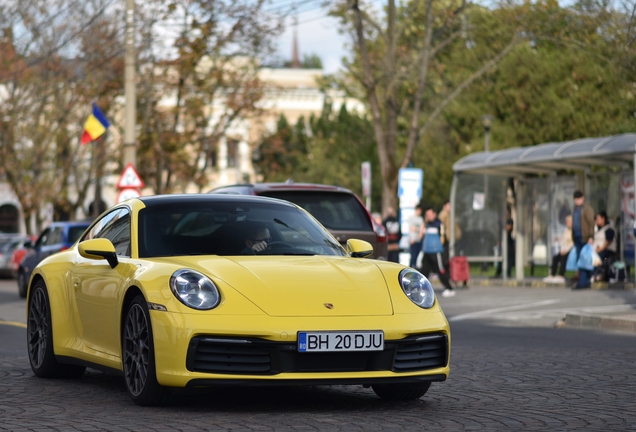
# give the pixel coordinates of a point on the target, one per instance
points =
(511, 370)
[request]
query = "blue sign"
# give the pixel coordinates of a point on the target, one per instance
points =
(410, 182)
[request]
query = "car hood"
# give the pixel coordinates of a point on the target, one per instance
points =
(305, 286)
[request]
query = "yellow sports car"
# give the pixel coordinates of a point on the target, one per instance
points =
(212, 290)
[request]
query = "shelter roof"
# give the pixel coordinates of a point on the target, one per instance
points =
(580, 154)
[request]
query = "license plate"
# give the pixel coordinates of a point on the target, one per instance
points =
(340, 341)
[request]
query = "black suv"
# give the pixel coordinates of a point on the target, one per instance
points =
(336, 208)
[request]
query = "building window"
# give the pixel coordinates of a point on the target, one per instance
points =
(9, 219)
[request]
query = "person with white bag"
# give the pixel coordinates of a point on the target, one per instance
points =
(560, 259)
(604, 244)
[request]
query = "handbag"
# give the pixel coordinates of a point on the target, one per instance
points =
(570, 264)
(585, 261)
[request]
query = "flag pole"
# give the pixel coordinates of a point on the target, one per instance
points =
(130, 145)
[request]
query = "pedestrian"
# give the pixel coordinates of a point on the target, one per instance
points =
(445, 217)
(394, 233)
(582, 232)
(510, 246)
(559, 261)
(604, 245)
(432, 233)
(415, 238)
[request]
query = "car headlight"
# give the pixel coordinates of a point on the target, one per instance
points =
(417, 288)
(194, 289)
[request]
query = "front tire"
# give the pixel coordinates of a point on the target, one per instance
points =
(401, 392)
(139, 356)
(40, 338)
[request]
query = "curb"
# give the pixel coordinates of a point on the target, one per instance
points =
(623, 286)
(600, 322)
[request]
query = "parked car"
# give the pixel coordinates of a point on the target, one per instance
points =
(19, 253)
(205, 290)
(8, 245)
(56, 237)
(336, 208)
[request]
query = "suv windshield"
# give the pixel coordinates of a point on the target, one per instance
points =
(231, 228)
(334, 210)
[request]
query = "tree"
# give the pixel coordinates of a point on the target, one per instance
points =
(212, 78)
(398, 70)
(41, 102)
(327, 149)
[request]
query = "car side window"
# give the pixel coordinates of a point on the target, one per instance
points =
(114, 226)
(56, 236)
(43, 238)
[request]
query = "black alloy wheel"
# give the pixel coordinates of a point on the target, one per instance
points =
(139, 357)
(40, 338)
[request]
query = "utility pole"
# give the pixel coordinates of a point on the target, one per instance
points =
(130, 142)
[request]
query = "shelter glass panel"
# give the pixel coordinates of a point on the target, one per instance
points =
(562, 206)
(538, 216)
(479, 213)
(626, 245)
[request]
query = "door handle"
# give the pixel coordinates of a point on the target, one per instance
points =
(76, 282)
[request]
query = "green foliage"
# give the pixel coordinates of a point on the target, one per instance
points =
(570, 78)
(328, 149)
(558, 86)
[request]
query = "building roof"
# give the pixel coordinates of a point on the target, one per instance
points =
(617, 150)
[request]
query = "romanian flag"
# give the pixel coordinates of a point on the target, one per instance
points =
(95, 126)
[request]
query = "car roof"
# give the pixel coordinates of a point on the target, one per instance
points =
(153, 200)
(265, 187)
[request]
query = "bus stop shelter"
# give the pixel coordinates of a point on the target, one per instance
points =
(534, 186)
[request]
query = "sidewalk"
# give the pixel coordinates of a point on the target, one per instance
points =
(624, 322)
(615, 322)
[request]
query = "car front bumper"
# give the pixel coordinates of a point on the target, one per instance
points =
(177, 336)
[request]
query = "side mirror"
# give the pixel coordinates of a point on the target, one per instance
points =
(358, 248)
(99, 248)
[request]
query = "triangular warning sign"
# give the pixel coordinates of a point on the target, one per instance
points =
(130, 178)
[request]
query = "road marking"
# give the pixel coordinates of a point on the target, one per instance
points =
(502, 309)
(13, 323)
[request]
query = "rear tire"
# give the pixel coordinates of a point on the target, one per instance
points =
(138, 356)
(40, 338)
(401, 392)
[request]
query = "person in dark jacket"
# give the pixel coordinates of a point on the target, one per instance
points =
(433, 233)
(582, 233)
(394, 232)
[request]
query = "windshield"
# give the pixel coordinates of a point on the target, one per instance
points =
(231, 228)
